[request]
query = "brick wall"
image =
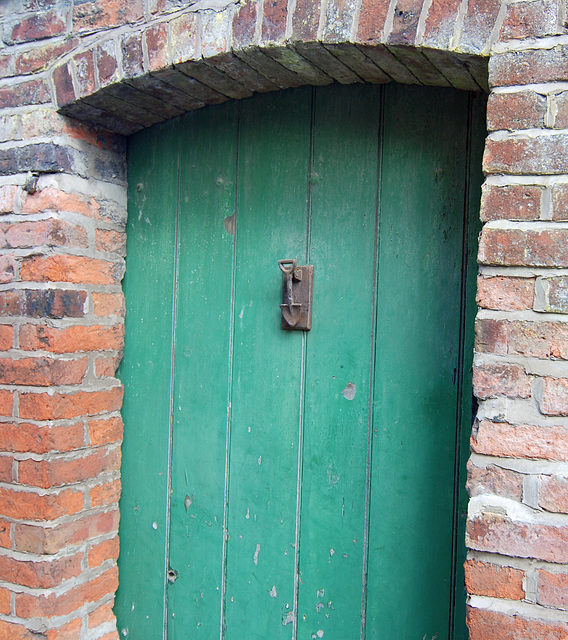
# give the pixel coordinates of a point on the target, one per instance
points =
(121, 66)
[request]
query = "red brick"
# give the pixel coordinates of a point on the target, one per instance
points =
(61, 604)
(132, 56)
(45, 24)
(6, 402)
(372, 21)
(6, 337)
(105, 431)
(561, 110)
(5, 601)
(552, 589)
(51, 199)
(8, 195)
(553, 494)
(544, 155)
(31, 506)
(7, 268)
(183, 35)
(111, 241)
(6, 474)
(34, 337)
(493, 581)
(516, 111)
(478, 24)
(106, 366)
(50, 540)
(63, 83)
(531, 66)
(512, 247)
(26, 437)
(555, 294)
(61, 471)
(106, 494)
(85, 73)
(75, 269)
(40, 58)
(107, 63)
(274, 20)
(91, 16)
(493, 380)
(493, 479)
(107, 550)
(13, 631)
(102, 615)
(530, 20)
(25, 93)
(108, 304)
(560, 202)
(5, 539)
(497, 534)
(405, 22)
(58, 406)
(505, 294)
(69, 631)
(513, 202)
(42, 372)
(489, 625)
(52, 233)
(43, 303)
(157, 46)
(305, 21)
(441, 23)
(40, 574)
(554, 401)
(523, 441)
(538, 339)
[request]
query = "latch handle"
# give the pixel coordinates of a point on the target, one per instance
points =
(296, 295)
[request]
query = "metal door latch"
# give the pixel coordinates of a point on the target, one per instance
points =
(297, 289)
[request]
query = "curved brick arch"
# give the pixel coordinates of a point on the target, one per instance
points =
(122, 66)
(192, 58)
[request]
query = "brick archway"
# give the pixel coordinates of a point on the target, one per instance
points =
(116, 69)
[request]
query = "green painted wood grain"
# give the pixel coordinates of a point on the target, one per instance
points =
(271, 225)
(202, 349)
(146, 372)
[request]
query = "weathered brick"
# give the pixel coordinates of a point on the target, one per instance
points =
(107, 63)
(30, 438)
(305, 20)
(512, 202)
(42, 157)
(560, 110)
(42, 24)
(111, 241)
(493, 479)
(504, 293)
(560, 202)
(553, 494)
(51, 233)
(479, 21)
(512, 247)
(544, 155)
(64, 603)
(75, 269)
(372, 17)
(485, 624)
(63, 82)
(52, 539)
(108, 304)
(405, 21)
(42, 372)
(25, 93)
(523, 441)
(274, 20)
(106, 366)
(43, 303)
(183, 34)
(31, 506)
(7, 268)
(157, 45)
(35, 337)
(538, 339)
(85, 72)
(529, 66)
(515, 111)
(102, 615)
(494, 581)
(132, 56)
(40, 58)
(533, 19)
(441, 23)
(498, 534)
(552, 589)
(554, 399)
(105, 494)
(5, 539)
(107, 550)
(58, 471)
(40, 574)
(493, 380)
(57, 406)
(552, 294)
(92, 16)
(51, 199)
(8, 194)
(105, 431)
(6, 337)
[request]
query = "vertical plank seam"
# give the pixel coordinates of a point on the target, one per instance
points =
(370, 414)
(230, 385)
(172, 382)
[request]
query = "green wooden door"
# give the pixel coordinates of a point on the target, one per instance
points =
(300, 485)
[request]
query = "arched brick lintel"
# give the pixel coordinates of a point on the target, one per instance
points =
(137, 76)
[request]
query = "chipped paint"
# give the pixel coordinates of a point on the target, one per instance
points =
(349, 391)
(256, 553)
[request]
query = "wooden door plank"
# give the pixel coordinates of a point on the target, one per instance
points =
(339, 359)
(418, 318)
(146, 373)
(265, 398)
(202, 364)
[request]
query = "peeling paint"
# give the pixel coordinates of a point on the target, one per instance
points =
(256, 553)
(349, 391)
(287, 618)
(273, 593)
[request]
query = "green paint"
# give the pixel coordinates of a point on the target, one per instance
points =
(362, 414)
